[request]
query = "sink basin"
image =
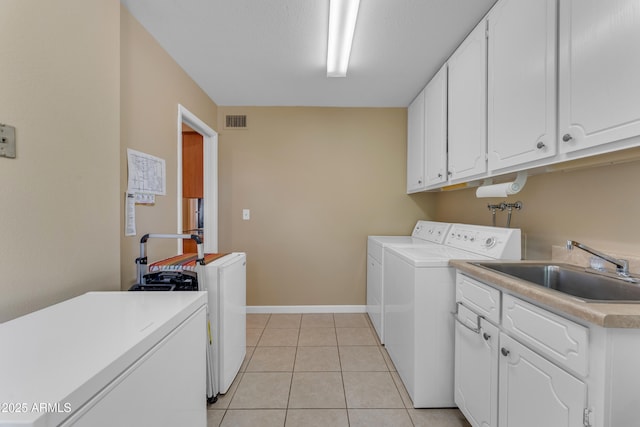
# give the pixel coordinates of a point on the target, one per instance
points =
(571, 280)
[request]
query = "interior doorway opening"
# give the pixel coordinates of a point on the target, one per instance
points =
(197, 200)
(192, 186)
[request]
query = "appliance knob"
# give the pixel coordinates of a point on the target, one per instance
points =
(490, 242)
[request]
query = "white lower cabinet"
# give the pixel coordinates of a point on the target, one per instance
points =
(508, 374)
(520, 365)
(534, 392)
(476, 368)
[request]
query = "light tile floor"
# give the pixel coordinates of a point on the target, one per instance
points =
(306, 370)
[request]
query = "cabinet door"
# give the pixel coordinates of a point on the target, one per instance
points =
(534, 392)
(468, 106)
(192, 165)
(599, 68)
(436, 129)
(522, 82)
(476, 369)
(415, 145)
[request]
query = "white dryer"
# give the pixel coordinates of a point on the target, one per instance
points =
(425, 233)
(419, 297)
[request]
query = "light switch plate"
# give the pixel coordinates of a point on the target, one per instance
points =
(7, 141)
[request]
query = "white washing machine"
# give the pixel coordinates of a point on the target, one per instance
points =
(419, 295)
(425, 233)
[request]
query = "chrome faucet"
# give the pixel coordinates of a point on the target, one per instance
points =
(622, 265)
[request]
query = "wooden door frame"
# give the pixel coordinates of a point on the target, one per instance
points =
(210, 172)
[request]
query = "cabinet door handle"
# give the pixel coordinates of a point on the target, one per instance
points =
(439, 175)
(540, 145)
(486, 336)
(475, 330)
(504, 351)
(567, 137)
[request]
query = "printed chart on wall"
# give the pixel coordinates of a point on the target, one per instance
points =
(147, 173)
(147, 178)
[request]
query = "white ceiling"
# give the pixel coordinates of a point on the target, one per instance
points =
(273, 52)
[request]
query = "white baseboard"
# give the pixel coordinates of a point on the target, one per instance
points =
(287, 309)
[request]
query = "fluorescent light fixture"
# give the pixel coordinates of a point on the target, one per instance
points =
(342, 24)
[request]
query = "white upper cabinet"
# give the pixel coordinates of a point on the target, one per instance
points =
(415, 145)
(521, 82)
(537, 82)
(436, 129)
(599, 73)
(467, 107)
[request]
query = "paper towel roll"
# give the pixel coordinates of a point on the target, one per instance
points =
(504, 189)
(496, 190)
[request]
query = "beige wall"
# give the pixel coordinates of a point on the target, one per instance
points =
(152, 86)
(597, 206)
(82, 81)
(318, 181)
(60, 88)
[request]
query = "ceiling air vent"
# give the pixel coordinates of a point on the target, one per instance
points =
(235, 121)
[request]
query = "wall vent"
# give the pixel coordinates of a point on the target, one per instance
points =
(237, 121)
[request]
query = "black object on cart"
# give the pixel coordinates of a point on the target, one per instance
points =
(166, 280)
(175, 281)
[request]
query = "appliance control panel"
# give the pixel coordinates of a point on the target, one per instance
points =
(492, 242)
(431, 231)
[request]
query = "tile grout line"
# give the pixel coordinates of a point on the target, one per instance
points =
(293, 369)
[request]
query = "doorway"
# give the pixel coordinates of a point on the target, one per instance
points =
(197, 206)
(192, 186)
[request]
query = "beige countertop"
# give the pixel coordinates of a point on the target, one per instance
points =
(608, 315)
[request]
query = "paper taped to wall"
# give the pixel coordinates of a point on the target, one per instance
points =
(146, 173)
(130, 214)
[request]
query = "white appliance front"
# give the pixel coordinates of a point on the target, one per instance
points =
(419, 299)
(425, 233)
(226, 286)
(106, 359)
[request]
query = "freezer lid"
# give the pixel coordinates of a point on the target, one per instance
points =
(66, 353)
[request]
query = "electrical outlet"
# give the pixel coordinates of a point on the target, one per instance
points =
(246, 214)
(7, 141)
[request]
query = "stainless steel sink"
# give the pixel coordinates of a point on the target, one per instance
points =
(568, 279)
